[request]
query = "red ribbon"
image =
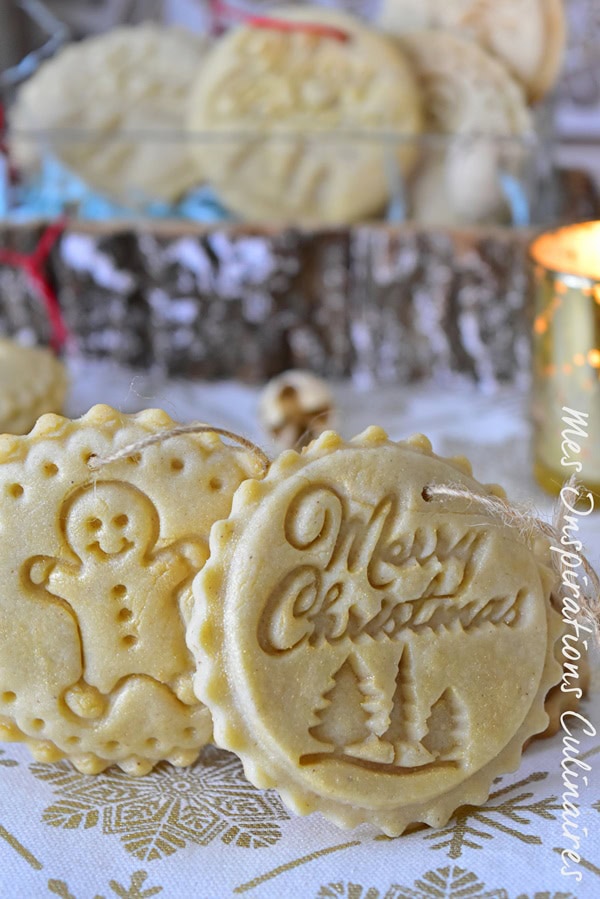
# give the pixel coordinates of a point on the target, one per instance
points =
(34, 266)
(221, 10)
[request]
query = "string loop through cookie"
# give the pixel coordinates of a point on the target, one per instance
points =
(98, 462)
(529, 526)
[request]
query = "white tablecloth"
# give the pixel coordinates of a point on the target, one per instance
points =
(205, 833)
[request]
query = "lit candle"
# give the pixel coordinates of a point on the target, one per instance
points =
(566, 389)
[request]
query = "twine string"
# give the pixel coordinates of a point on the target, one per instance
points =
(98, 462)
(529, 526)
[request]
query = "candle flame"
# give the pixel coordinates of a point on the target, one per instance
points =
(594, 358)
(574, 250)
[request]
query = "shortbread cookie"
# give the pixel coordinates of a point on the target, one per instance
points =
(32, 381)
(112, 109)
(371, 654)
(459, 183)
(528, 36)
(303, 119)
(95, 587)
(471, 99)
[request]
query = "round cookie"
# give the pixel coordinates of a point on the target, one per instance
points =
(119, 100)
(528, 36)
(471, 98)
(32, 381)
(95, 587)
(394, 654)
(297, 120)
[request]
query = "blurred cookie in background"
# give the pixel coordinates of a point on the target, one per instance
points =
(528, 36)
(473, 110)
(297, 115)
(32, 381)
(111, 109)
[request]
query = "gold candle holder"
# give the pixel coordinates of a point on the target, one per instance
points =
(566, 369)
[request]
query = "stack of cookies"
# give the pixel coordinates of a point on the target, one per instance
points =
(325, 126)
(313, 116)
(369, 650)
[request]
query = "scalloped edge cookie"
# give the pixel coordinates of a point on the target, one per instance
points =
(232, 731)
(61, 718)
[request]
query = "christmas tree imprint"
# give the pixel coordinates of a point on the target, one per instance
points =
(347, 724)
(343, 720)
(403, 736)
(446, 727)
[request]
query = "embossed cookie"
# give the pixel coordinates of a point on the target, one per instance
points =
(299, 114)
(470, 97)
(95, 587)
(112, 109)
(528, 36)
(372, 655)
(32, 381)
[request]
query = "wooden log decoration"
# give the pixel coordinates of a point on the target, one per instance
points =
(320, 337)
(100, 282)
(377, 302)
(430, 302)
(382, 303)
(220, 303)
(22, 314)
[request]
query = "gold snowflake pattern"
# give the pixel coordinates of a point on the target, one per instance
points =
(157, 815)
(348, 891)
(450, 882)
(506, 808)
(547, 895)
(133, 891)
(7, 763)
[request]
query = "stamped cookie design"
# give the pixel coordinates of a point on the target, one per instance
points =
(32, 381)
(371, 654)
(95, 571)
(112, 109)
(299, 115)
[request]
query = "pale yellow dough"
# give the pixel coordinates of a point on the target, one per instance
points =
(112, 109)
(298, 122)
(480, 115)
(527, 36)
(95, 587)
(370, 654)
(32, 381)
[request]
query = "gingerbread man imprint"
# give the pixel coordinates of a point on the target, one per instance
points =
(122, 590)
